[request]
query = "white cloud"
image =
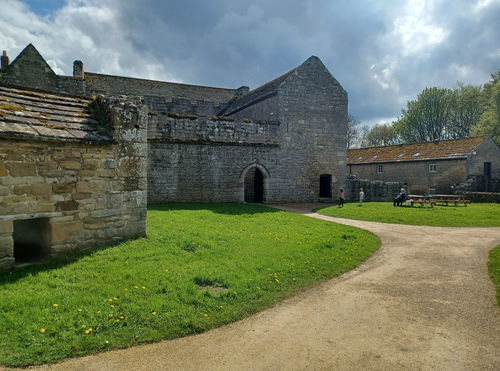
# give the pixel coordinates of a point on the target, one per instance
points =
(415, 29)
(86, 30)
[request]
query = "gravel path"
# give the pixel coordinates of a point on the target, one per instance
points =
(424, 301)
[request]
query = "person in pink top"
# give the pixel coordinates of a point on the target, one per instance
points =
(341, 198)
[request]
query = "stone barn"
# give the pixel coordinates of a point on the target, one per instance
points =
(72, 173)
(429, 167)
(77, 167)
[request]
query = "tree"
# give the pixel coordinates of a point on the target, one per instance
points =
(425, 118)
(489, 121)
(353, 131)
(380, 135)
(464, 111)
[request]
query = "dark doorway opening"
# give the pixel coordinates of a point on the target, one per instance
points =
(254, 186)
(31, 239)
(487, 169)
(325, 186)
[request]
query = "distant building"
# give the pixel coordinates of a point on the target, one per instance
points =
(431, 166)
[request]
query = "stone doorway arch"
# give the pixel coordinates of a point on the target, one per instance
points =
(254, 184)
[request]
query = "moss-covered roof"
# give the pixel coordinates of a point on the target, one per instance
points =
(438, 150)
(36, 115)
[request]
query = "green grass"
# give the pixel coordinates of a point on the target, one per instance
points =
(201, 266)
(494, 269)
(474, 215)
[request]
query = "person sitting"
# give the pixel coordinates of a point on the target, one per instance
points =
(398, 201)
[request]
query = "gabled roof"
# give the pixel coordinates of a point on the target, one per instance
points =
(30, 52)
(35, 115)
(258, 94)
(439, 150)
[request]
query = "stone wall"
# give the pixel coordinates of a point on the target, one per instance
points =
(312, 107)
(374, 190)
(89, 194)
(204, 159)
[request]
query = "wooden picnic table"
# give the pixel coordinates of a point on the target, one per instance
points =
(437, 199)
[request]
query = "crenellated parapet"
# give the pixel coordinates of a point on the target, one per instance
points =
(172, 127)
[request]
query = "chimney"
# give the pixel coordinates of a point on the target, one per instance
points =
(4, 60)
(78, 69)
(242, 90)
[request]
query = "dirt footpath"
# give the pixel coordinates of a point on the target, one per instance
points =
(424, 301)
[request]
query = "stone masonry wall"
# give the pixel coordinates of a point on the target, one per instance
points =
(203, 159)
(91, 194)
(312, 107)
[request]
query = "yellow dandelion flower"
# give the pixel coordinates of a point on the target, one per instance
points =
(122, 317)
(125, 289)
(43, 331)
(88, 331)
(136, 287)
(83, 326)
(117, 320)
(221, 306)
(153, 313)
(143, 287)
(98, 312)
(205, 314)
(110, 315)
(55, 305)
(165, 270)
(110, 299)
(80, 310)
(115, 298)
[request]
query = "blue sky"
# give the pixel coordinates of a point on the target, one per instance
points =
(383, 52)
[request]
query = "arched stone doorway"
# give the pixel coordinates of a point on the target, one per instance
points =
(254, 183)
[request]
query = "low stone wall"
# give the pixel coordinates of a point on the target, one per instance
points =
(374, 190)
(486, 197)
(89, 194)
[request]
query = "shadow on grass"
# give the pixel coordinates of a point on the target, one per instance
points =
(55, 262)
(50, 263)
(218, 208)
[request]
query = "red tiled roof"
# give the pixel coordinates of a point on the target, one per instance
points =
(444, 149)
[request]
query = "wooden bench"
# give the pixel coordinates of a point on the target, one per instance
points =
(451, 199)
(437, 200)
(418, 199)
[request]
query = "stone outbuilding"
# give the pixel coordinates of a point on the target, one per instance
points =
(432, 166)
(73, 172)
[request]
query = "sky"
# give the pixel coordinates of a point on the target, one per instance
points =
(382, 52)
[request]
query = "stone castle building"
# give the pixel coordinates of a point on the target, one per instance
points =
(69, 157)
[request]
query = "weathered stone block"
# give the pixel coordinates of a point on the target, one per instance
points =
(18, 169)
(3, 169)
(6, 227)
(62, 232)
(67, 205)
(71, 165)
(6, 263)
(6, 246)
(41, 189)
(63, 188)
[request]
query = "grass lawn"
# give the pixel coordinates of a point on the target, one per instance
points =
(474, 215)
(494, 269)
(202, 265)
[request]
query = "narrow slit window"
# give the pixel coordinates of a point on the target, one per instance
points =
(432, 168)
(380, 168)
